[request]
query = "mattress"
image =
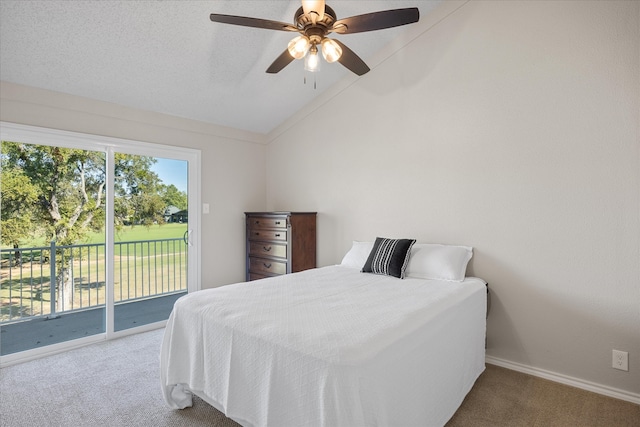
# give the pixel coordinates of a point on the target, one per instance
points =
(327, 347)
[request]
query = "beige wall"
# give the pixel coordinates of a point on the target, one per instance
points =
(233, 167)
(512, 127)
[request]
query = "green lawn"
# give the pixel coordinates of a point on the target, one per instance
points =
(140, 232)
(126, 234)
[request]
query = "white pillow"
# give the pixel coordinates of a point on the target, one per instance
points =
(357, 255)
(441, 262)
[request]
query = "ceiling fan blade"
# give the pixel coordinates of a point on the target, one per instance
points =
(281, 61)
(252, 22)
(376, 20)
(351, 61)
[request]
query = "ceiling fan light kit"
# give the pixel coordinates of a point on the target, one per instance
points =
(314, 21)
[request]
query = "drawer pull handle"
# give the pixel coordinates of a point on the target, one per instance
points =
(266, 249)
(277, 234)
(277, 222)
(266, 265)
(256, 233)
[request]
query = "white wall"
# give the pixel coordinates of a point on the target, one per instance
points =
(233, 167)
(512, 127)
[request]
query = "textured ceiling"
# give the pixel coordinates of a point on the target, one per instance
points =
(168, 57)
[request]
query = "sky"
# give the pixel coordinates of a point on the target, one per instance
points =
(172, 172)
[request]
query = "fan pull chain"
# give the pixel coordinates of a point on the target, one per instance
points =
(315, 86)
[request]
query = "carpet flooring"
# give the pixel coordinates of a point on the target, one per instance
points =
(116, 383)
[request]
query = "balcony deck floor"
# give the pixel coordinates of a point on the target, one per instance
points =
(40, 332)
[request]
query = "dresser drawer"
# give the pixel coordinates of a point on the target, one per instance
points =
(267, 222)
(254, 276)
(267, 249)
(262, 266)
(267, 235)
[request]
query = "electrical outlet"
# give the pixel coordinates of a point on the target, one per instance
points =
(620, 360)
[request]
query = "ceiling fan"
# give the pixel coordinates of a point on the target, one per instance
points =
(314, 21)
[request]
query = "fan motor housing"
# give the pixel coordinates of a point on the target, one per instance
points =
(315, 32)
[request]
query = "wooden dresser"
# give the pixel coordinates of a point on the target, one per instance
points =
(280, 243)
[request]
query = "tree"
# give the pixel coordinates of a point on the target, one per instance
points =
(69, 186)
(18, 197)
(137, 190)
(174, 197)
(63, 197)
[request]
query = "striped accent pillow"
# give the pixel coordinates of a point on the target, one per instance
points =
(389, 257)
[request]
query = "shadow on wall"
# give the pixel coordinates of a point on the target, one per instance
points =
(418, 58)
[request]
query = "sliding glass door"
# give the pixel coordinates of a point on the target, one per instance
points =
(98, 237)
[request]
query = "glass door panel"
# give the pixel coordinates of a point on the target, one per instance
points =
(151, 220)
(52, 272)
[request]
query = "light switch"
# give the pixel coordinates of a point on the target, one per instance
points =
(205, 208)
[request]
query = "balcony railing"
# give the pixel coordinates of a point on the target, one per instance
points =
(46, 281)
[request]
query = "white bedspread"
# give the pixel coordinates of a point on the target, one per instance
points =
(327, 347)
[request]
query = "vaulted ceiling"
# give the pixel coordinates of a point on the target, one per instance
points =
(168, 57)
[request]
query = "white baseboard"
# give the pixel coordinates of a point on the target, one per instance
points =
(564, 379)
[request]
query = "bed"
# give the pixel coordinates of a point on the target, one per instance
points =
(331, 346)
